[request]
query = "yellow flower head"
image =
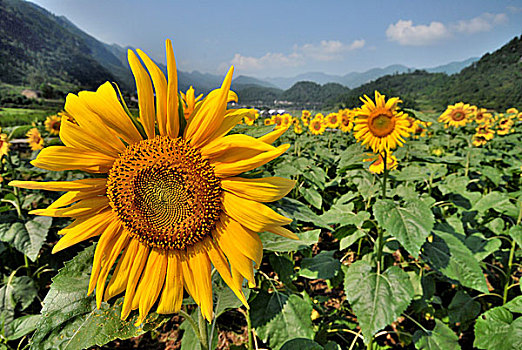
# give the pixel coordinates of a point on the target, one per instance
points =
(167, 202)
(346, 122)
(456, 115)
(484, 130)
(379, 125)
(481, 115)
(504, 126)
(52, 124)
(377, 166)
(479, 140)
(35, 140)
(4, 144)
(189, 101)
(316, 126)
(268, 121)
(305, 117)
(332, 120)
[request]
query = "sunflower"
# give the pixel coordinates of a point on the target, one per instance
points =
(167, 198)
(35, 140)
(485, 131)
(481, 115)
(305, 117)
(4, 144)
(479, 140)
(332, 120)
(250, 118)
(316, 126)
(504, 126)
(379, 125)
(377, 166)
(456, 115)
(346, 123)
(189, 101)
(268, 121)
(52, 124)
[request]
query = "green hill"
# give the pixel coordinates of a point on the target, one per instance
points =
(495, 81)
(36, 49)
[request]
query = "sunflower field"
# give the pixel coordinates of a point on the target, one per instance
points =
(188, 223)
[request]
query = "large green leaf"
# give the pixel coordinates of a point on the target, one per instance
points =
(25, 236)
(496, 329)
(351, 157)
(377, 298)
(224, 297)
(70, 319)
(516, 233)
(21, 326)
(312, 197)
(448, 255)
(410, 224)
(463, 308)
(279, 317)
(299, 212)
(491, 200)
(440, 338)
(278, 243)
(301, 344)
(323, 266)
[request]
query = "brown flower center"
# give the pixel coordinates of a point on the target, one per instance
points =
(165, 193)
(458, 116)
(381, 125)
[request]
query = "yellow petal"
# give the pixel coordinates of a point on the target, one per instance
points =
(172, 295)
(244, 240)
(145, 94)
(221, 264)
(188, 278)
(207, 119)
(199, 264)
(231, 145)
(151, 282)
(253, 215)
(223, 170)
(120, 275)
(160, 89)
(87, 206)
(108, 261)
(59, 158)
(266, 189)
(84, 228)
(232, 117)
(281, 231)
(172, 93)
(104, 102)
(137, 265)
(76, 185)
(92, 124)
(72, 135)
(273, 135)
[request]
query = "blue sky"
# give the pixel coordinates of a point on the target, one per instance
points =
(285, 38)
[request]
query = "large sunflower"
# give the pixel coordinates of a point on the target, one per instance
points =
(379, 125)
(166, 197)
(456, 115)
(317, 126)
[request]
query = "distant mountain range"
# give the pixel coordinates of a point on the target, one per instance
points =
(38, 48)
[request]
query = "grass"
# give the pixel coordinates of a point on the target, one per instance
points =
(22, 116)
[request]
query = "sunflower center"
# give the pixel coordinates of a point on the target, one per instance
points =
(458, 116)
(165, 193)
(381, 125)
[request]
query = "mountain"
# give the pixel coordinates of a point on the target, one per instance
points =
(453, 67)
(308, 92)
(35, 48)
(243, 81)
(494, 81)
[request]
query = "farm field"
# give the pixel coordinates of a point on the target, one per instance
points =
(423, 253)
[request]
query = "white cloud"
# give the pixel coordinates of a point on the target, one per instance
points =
(406, 33)
(483, 23)
(326, 50)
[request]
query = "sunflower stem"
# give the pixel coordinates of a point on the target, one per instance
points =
(508, 271)
(203, 330)
(380, 231)
(385, 175)
(249, 328)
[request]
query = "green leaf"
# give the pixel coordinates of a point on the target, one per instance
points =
(440, 338)
(463, 308)
(377, 299)
(278, 243)
(315, 175)
(284, 267)
(17, 291)
(190, 340)
(224, 297)
(347, 241)
(301, 344)
(323, 266)
(496, 329)
(21, 326)
(336, 213)
(516, 233)
(412, 173)
(410, 224)
(351, 157)
(278, 317)
(70, 319)
(312, 197)
(448, 255)
(299, 212)
(515, 305)
(492, 200)
(26, 237)
(482, 247)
